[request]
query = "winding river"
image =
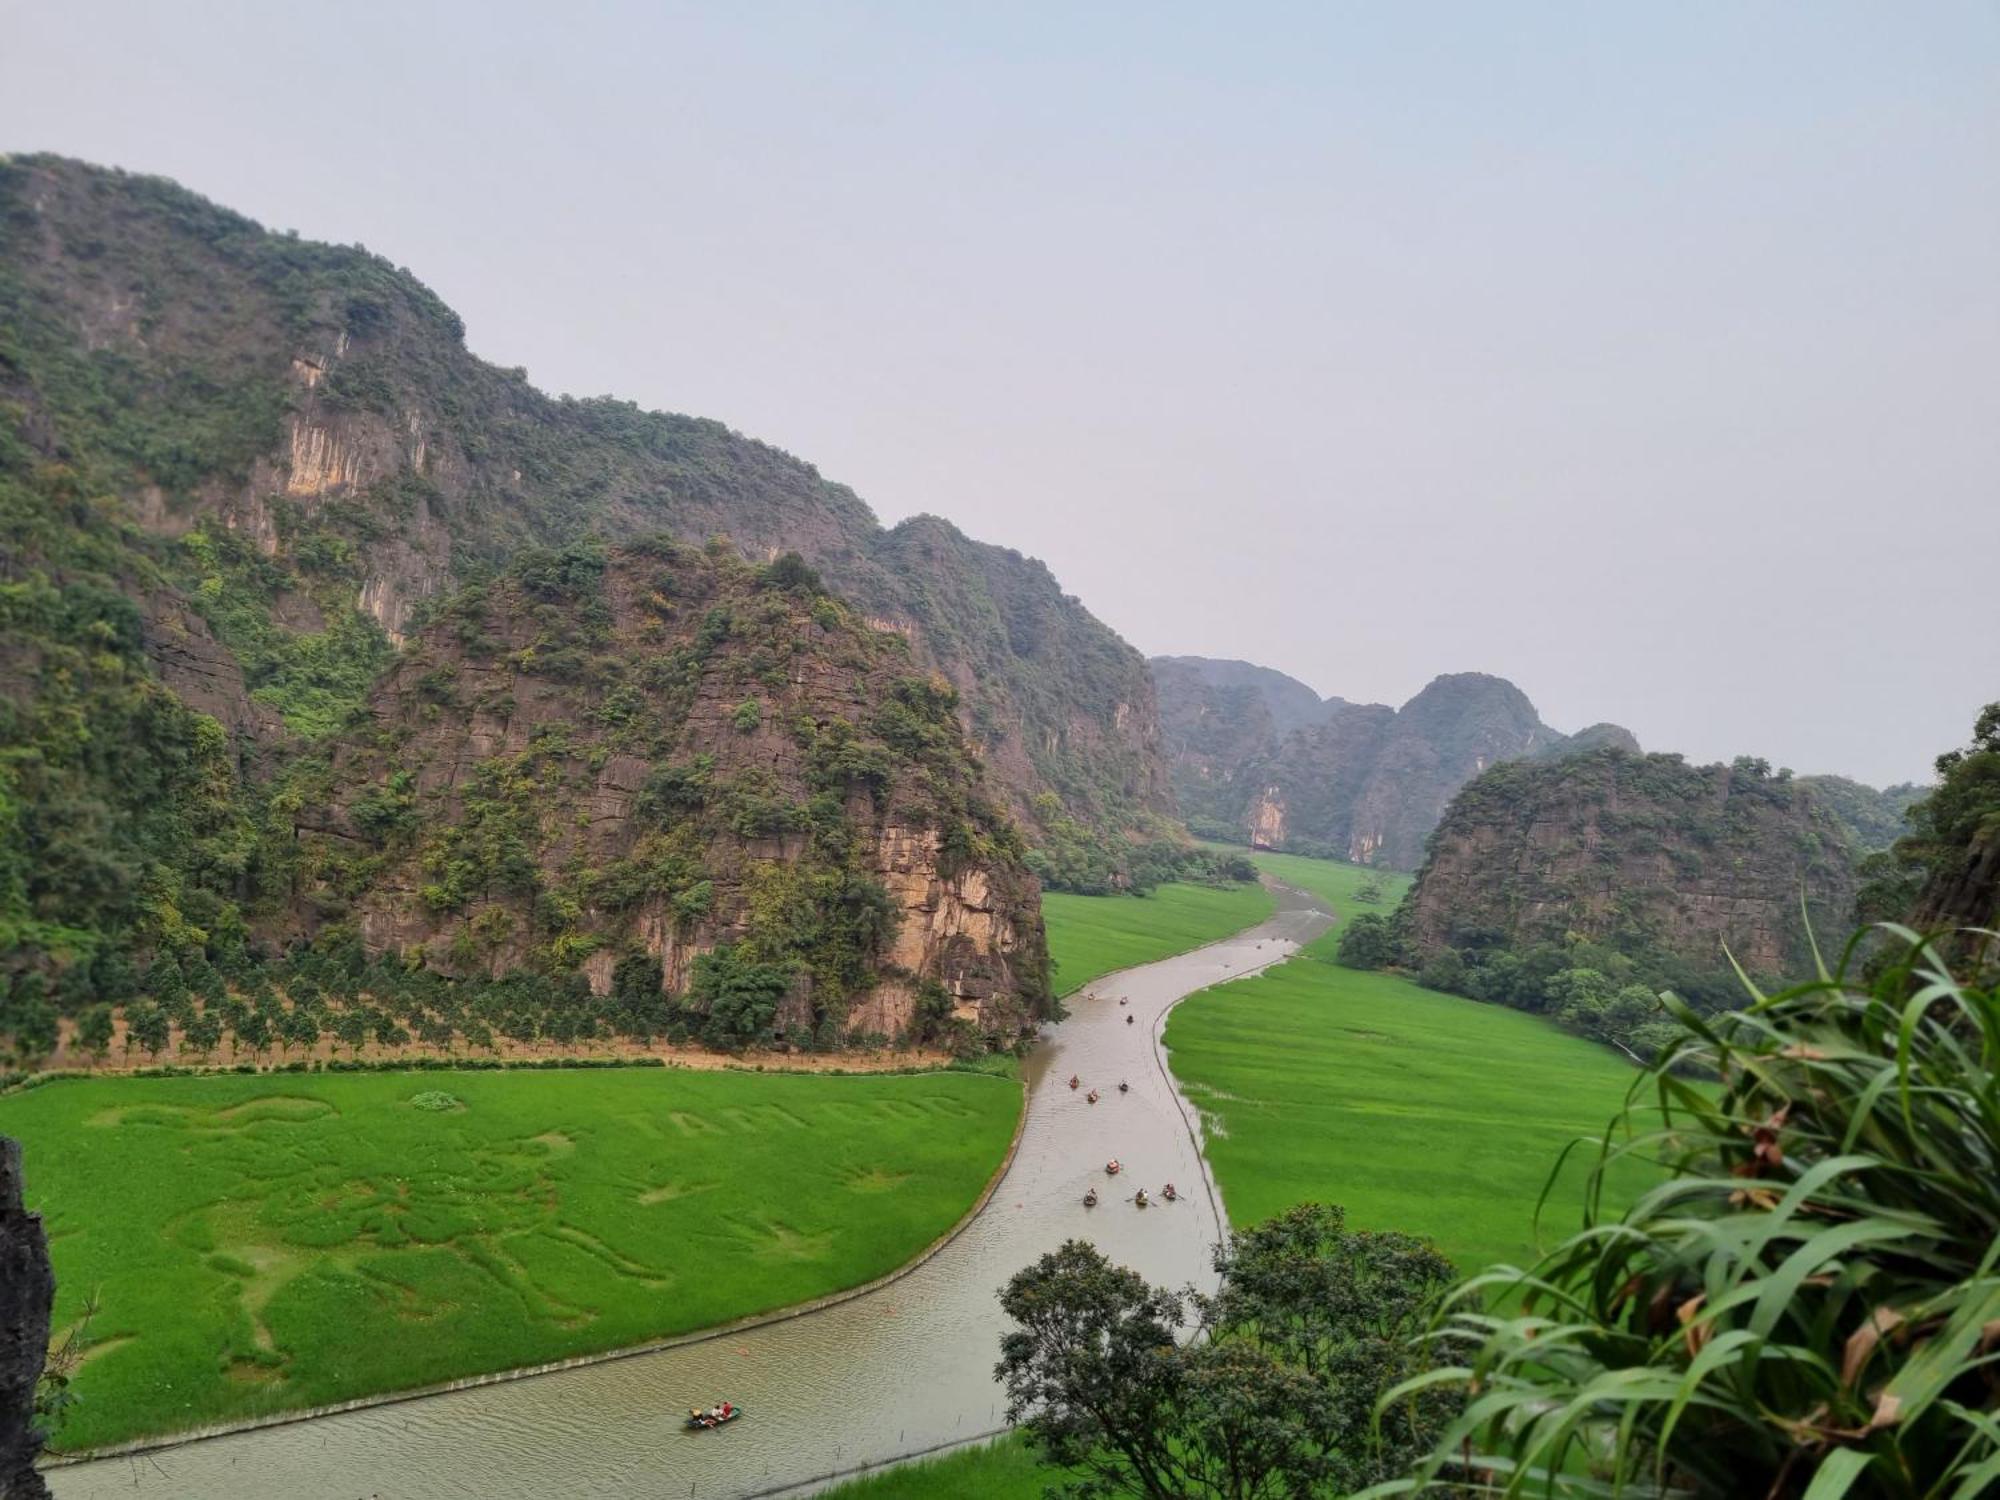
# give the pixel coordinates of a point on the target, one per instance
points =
(898, 1370)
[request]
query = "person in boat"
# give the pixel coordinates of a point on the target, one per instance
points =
(1139, 1198)
(1091, 1096)
(1168, 1193)
(1074, 1080)
(1123, 1086)
(1111, 1167)
(1090, 1199)
(1130, 1019)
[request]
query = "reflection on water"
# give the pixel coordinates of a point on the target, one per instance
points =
(904, 1368)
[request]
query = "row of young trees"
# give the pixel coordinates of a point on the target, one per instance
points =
(188, 1011)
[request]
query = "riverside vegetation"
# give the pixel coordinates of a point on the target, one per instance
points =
(252, 1245)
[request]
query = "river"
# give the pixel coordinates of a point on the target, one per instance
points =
(902, 1369)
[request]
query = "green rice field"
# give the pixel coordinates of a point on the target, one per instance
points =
(1091, 936)
(1414, 1110)
(262, 1243)
(1005, 1470)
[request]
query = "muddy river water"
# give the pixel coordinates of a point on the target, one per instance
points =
(898, 1370)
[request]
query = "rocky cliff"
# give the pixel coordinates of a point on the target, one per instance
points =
(1943, 875)
(243, 469)
(663, 751)
(1644, 853)
(27, 1292)
(1257, 755)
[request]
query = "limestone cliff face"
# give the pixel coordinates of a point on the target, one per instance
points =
(27, 1292)
(671, 754)
(1644, 851)
(338, 426)
(1362, 782)
(1267, 820)
(1438, 741)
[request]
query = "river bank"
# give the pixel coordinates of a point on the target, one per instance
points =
(897, 1369)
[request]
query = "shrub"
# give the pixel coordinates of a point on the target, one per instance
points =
(1807, 1306)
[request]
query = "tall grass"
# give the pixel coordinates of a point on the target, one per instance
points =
(1808, 1307)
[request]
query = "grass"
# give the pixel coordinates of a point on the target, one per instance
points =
(1413, 1110)
(1002, 1470)
(1091, 936)
(258, 1244)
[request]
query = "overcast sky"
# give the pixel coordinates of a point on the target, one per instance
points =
(1646, 355)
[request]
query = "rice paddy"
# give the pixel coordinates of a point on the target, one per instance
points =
(1091, 936)
(261, 1243)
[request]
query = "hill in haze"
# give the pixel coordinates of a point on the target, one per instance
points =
(1257, 756)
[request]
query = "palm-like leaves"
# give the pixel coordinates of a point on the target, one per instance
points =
(1808, 1306)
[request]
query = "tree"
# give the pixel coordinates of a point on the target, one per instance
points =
(1367, 942)
(203, 1035)
(147, 1024)
(253, 1031)
(350, 1029)
(94, 1031)
(737, 998)
(1807, 1304)
(31, 1018)
(1272, 1395)
(638, 997)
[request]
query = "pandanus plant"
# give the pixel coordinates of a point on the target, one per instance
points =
(1808, 1305)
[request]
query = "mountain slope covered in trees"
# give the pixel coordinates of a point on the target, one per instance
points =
(240, 472)
(1581, 885)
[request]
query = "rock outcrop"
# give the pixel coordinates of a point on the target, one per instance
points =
(27, 1292)
(663, 752)
(1643, 852)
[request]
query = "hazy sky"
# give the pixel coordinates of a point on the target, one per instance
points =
(1647, 355)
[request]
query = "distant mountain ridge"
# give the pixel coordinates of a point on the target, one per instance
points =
(1259, 756)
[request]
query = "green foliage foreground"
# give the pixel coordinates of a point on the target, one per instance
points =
(1260, 1392)
(1809, 1307)
(261, 1243)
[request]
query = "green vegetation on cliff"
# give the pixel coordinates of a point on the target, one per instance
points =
(262, 1244)
(238, 468)
(1945, 873)
(1580, 887)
